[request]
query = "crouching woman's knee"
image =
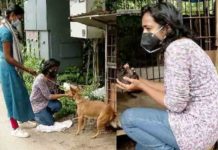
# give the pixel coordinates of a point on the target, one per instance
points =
(58, 106)
(127, 118)
(54, 105)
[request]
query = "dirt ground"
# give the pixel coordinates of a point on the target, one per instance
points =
(66, 140)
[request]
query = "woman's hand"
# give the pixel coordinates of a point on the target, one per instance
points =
(68, 94)
(31, 71)
(135, 84)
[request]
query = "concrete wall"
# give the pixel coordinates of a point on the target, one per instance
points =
(48, 19)
(63, 47)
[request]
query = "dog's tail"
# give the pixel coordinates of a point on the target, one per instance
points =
(111, 111)
(113, 120)
(113, 115)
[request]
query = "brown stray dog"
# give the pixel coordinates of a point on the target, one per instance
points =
(92, 109)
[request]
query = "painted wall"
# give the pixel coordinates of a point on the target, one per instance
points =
(49, 19)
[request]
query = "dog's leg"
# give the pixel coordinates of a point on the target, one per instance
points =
(80, 121)
(100, 125)
(98, 130)
(84, 123)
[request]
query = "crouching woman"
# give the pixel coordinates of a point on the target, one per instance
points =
(45, 93)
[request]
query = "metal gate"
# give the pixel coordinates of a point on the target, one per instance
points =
(111, 64)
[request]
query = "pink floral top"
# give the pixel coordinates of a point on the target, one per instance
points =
(191, 86)
(41, 91)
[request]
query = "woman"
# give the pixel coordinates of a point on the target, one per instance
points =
(14, 91)
(189, 93)
(45, 93)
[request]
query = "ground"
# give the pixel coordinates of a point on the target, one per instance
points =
(66, 140)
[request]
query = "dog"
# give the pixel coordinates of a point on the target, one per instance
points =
(126, 71)
(103, 112)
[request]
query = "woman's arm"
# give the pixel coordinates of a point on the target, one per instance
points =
(12, 61)
(154, 93)
(40, 82)
(155, 85)
(154, 90)
(177, 77)
(57, 96)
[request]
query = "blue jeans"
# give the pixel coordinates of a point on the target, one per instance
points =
(45, 116)
(149, 128)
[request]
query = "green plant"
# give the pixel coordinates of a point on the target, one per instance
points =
(33, 63)
(68, 107)
(98, 5)
(131, 4)
(74, 74)
(87, 92)
(186, 7)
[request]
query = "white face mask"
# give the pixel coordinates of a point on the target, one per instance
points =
(16, 23)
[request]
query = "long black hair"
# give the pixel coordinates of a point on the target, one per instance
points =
(166, 14)
(16, 9)
(47, 65)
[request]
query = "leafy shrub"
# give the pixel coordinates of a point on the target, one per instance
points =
(87, 92)
(74, 74)
(68, 107)
(34, 63)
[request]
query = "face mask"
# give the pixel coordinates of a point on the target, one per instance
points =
(53, 73)
(150, 42)
(16, 22)
(18, 26)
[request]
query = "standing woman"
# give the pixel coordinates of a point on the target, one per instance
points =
(189, 92)
(14, 91)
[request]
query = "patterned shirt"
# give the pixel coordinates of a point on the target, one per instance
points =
(41, 91)
(191, 87)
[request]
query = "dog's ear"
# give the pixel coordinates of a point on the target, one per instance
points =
(79, 87)
(73, 89)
